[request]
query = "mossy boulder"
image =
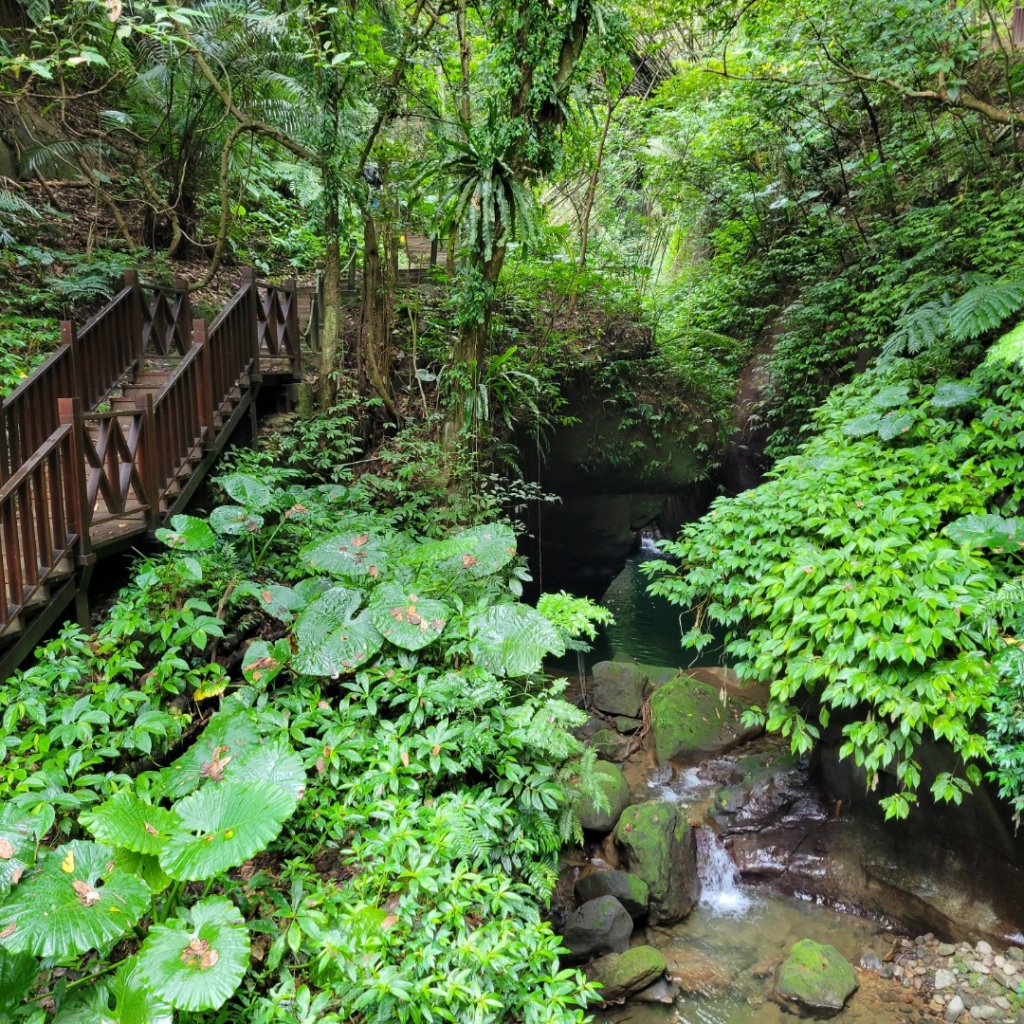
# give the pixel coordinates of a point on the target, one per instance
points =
(619, 688)
(691, 722)
(609, 745)
(612, 784)
(814, 979)
(599, 926)
(622, 974)
(630, 890)
(660, 846)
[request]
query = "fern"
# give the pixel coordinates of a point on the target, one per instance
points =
(918, 330)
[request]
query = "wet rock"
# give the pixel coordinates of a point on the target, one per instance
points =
(609, 745)
(870, 960)
(630, 890)
(627, 726)
(612, 783)
(619, 688)
(599, 926)
(622, 974)
(660, 846)
(814, 978)
(944, 979)
(662, 991)
(694, 972)
(691, 722)
(945, 949)
(954, 1008)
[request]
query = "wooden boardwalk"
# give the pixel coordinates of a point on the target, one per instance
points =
(117, 429)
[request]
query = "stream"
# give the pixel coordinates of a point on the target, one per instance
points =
(778, 861)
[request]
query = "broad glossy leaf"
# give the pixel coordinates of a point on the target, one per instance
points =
(129, 822)
(17, 844)
(988, 531)
(228, 734)
(332, 638)
(353, 555)
(196, 961)
(262, 662)
(146, 866)
(223, 825)
(247, 490)
(17, 973)
(78, 900)
(124, 1000)
(406, 619)
(954, 393)
(231, 520)
(273, 762)
(483, 550)
(893, 424)
(861, 426)
(280, 601)
(891, 397)
(187, 533)
(512, 639)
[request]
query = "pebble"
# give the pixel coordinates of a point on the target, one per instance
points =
(944, 979)
(946, 949)
(1015, 953)
(953, 1009)
(983, 948)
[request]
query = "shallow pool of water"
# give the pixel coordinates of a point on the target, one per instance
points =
(728, 960)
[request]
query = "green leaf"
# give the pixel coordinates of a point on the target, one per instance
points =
(986, 531)
(228, 734)
(187, 534)
(131, 823)
(263, 662)
(891, 397)
(893, 424)
(247, 490)
(480, 551)
(125, 1000)
(861, 426)
(17, 844)
(512, 639)
(232, 520)
(331, 638)
(349, 556)
(406, 619)
(223, 825)
(274, 763)
(954, 393)
(17, 973)
(146, 866)
(196, 961)
(79, 900)
(279, 601)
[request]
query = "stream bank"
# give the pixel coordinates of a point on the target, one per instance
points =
(722, 850)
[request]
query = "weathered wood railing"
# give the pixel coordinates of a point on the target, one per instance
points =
(65, 470)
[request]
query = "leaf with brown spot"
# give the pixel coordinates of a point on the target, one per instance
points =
(468, 561)
(389, 922)
(149, 828)
(8, 931)
(373, 572)
(435, 750)
(321, 766)
(199, 955)
(405, 758)
(214, 769)
(16, 874)
(86, 894)
(358, 542)
(6, 849)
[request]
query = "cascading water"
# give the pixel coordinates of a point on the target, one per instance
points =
(720, 889)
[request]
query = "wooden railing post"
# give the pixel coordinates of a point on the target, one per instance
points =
(5, 455)
(249, 279)
(69, 410)
(149, 469)
(204, 378)
(185, 314)
(131, 280)
(69, 337)
(293, 338)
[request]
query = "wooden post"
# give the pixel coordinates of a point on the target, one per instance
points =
(5, 455)
(249, 278)
(292, 327)
(131, 280)
(433, 251)
(204, 376)
(184, 310)
(69, 411)
(149, 472)
(69, 337)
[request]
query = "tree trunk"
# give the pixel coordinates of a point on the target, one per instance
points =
(330, 339)
(373, 354)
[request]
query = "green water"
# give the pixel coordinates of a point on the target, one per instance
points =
(647, 629)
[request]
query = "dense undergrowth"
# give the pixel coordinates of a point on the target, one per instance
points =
(306, 768)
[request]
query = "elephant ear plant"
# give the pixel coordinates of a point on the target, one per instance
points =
(215, 807)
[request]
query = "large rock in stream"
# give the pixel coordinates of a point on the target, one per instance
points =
(613, 786)
(660, 846)
(622, 974)
(692, 720)
(814, 979)
(599, 926)
(619, 688)
(630, 890)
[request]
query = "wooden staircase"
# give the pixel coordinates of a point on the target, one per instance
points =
(117, 429)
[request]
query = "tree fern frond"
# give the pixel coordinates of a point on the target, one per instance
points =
(918, 330)
(985, 307)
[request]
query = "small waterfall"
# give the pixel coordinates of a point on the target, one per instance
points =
(648, 545)
(719, 880)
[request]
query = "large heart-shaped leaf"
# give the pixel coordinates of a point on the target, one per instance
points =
(146, 866)
(247, 490)
(17, 844)
(512, 639)
(952, 393)
(196, 961)
(988, 531)
(273, 762)
(228, 733)
(125, 1000)
(222, 826)
(129, 822)
(353, 555)
(893, 424)
(861, 426)
(17, 973)
(280, 601)
(79, 900)
(406, 619)
(479, 551)
(187, 534)
(231, 520)
(332, 639)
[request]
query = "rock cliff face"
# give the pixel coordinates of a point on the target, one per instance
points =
(613, 480)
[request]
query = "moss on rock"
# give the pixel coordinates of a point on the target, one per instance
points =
(622, 974)
(690, 721)
(613, 786)
(815, 978)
